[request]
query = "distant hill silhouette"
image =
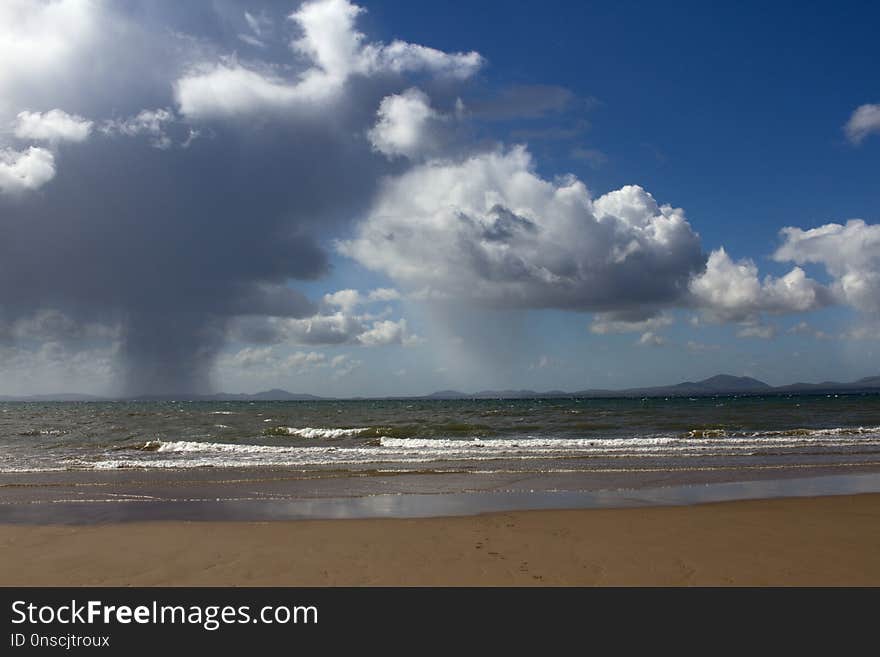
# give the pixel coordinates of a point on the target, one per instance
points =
(721, 384)
(61, 396)
(276, 394)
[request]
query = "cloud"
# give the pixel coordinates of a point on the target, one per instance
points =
(348, 299)
(251, 40)
(866, 331)
(25, 370)
(229, 89)
(39, 42)
(263, 363)
(383, 294)
(605, 323)
(343, 366)
(401, 57)
(802, 328)
(850, 253)
(651, 339)
(53, 325)
(178, 247)
(250, 357)
(25, 170)
(302, 361)
(86, 56)
(260, 26)
(34, 166)
(730, 291)
(331, 326)
(489, 230)
(406, 125)
(387, 332)
(53, 126)
(153, 123)
(865, 121)
(757, 330)
(266, 358)
(335, 51)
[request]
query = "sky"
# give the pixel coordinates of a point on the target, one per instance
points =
(393, 198)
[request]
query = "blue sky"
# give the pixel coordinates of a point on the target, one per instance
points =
(731, 111)
(310, 166)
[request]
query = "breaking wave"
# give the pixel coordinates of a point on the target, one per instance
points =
(836, 431)
(385, 449)
(309, 432)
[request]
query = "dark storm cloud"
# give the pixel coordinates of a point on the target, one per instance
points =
(166, 238)
(169, 225)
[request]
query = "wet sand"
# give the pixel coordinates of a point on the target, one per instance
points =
(796, 541)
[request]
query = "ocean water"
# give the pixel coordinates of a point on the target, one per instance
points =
(466, 437)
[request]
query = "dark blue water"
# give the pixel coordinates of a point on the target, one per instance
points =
(543, 435)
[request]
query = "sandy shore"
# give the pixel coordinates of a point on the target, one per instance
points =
(798, 541)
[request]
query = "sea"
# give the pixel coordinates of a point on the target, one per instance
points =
(191, 451)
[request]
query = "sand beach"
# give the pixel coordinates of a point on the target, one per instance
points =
(822, 541)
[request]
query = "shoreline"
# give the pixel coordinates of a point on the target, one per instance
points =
(244, 496)
(824, 541)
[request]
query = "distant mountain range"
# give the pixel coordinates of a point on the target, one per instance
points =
(267, 395)
(722, 384)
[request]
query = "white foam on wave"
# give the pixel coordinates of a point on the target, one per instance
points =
(835, 431)
(188, 453)
(195, 446)
(311, 432)
(25, 469)
(523, 443)
(839, 437)
(43, 432)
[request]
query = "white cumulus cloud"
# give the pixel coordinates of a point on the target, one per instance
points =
(849, 252)
(756, 329)
(489, 230)
(406, 125)
(261, 363)
(335, 51)
(732, 291)
(53, 126)
(348, 299)
(651, 339)
(386, 332)
(25, 170)
(865, 120)
(39, 45)
(340, 322)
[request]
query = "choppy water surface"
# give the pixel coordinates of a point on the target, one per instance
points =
(480, 436)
